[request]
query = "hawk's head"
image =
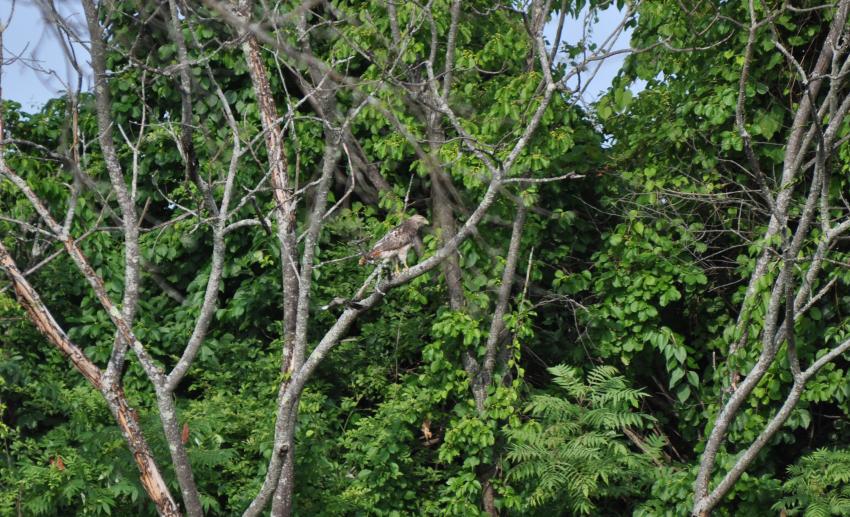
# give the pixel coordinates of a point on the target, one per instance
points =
(418, 221)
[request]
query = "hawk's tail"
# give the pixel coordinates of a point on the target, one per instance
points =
(363, 260)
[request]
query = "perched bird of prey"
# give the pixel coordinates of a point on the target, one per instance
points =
(396, 243)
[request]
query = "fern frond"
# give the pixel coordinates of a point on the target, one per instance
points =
(573, 450)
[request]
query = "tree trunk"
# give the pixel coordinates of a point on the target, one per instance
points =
(150, 475)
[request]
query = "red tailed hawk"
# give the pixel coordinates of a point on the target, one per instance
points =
(396, 243)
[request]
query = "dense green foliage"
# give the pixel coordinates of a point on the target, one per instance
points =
(631, 279)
